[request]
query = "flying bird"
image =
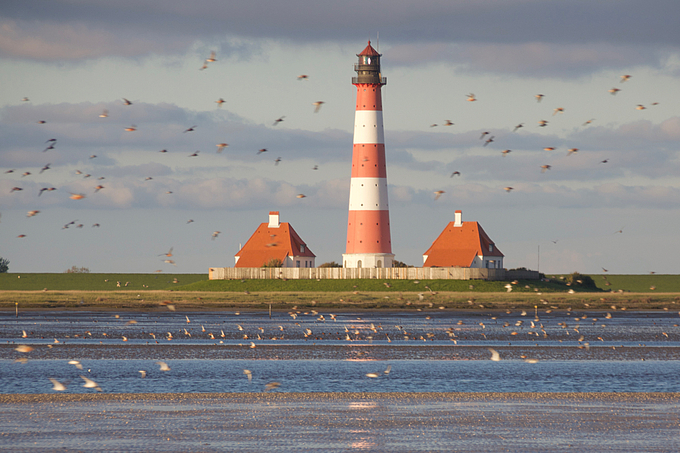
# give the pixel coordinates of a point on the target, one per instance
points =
(448, 123)
(300, 195)
(131, 128)
(471, 97)
(520, 125)
(489, 140)
(613, 91)
(625, 78)
(221, 146)
(558, 110)
(215, 234)
(98, 188)
(163, 366)
(506, 152)
(542, 123)
(89, 383)
(219, 102)
(169, 254)
(191, 129)
(438, 194)
(508, 189)
(32, 213)
(495, 356)
(57, 386)
(14, 189)
(317, 105)
(455, 173)
(263, 150)
(278, 120)
(211, 58)
(104, 114)
(277, 160)
(194, 154)
(589, 122)
(545, 167)
(539, 97)
(76, 196)
(640, 107)
(571, 151)
(126, 102)
(303, 77)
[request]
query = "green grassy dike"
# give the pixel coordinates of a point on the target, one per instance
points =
(147, 292)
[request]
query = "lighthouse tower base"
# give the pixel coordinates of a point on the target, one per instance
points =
(367, 260)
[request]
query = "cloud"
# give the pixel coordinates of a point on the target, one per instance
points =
(53, 30)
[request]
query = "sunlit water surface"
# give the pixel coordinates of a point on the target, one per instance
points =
(355, 352)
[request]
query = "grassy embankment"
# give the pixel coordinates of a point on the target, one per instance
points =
(196, 292)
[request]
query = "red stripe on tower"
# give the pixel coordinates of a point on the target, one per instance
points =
(368, 225)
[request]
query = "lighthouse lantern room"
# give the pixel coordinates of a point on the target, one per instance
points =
(369, 244)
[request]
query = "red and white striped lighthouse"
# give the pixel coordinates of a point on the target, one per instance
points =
(368, 226)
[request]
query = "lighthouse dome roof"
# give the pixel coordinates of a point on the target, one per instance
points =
(369, 51)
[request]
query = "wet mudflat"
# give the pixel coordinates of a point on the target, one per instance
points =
(350, 381)
(330, 422)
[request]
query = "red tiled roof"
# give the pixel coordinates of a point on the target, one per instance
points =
(271, 243)
(458, 246)
(369, 50)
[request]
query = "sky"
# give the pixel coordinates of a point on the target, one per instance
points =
(613, 204)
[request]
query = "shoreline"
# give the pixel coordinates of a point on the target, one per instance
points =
(631, 397)
(158, 300)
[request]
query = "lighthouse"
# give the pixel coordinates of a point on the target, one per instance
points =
(368, 226)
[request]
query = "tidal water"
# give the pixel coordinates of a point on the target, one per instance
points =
(438, 351)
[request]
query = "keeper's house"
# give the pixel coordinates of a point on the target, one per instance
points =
(463, 244)
(275, 241)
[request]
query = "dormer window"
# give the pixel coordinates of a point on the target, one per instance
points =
(491, 247)
(302, 248)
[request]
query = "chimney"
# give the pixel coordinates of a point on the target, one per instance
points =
(458, 219)
(274, 219)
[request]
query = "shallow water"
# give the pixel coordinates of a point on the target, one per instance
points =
(631, 352)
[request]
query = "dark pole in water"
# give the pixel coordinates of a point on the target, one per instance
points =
(16, 308)
(270, 311)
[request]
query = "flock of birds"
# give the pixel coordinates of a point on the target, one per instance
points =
(488, 138)
(98, 185)
(577, 328)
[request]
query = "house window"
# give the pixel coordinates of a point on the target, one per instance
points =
(302, 248)
(297, 263)
(359, 263)
(491, 247)
(379, 262)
